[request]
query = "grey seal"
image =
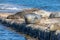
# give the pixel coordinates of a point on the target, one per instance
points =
(32, 18)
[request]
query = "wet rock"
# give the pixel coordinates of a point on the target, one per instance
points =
(32, 18)
(57, 34)
(39, 31)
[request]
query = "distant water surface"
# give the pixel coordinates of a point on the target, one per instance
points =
(17, 5)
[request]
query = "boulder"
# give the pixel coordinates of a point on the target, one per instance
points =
(55, 27)
(57, 14)
(32, 18)
(54, 15)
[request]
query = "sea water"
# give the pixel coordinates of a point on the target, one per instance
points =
(8, 34)
(17, 5)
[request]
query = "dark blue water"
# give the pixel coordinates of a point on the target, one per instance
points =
(49, 5)
(7, 34)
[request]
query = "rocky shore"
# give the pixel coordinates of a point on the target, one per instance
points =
(42, 24)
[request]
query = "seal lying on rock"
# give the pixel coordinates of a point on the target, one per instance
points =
(22, 13)
(32, 18)
(44, 13)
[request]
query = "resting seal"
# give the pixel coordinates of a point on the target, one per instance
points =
(32, 18)
(21, 13)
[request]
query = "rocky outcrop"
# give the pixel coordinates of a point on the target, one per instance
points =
(47, 29)
(33, 30)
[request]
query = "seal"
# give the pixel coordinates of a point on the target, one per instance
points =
(54, 15)
(32, 18)
(22, 13)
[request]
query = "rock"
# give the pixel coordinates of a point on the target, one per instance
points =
(57, 33)
(51, 15)
(39, 31)
(54, 15)
(13, 17)
(44, 13)
(32, 18)
(57, 14)
(54, 27)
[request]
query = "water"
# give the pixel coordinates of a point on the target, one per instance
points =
(6, 34)
(17, 5)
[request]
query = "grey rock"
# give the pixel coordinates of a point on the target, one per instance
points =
(54, 15)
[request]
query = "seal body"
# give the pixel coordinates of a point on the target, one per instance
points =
(32, 18)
